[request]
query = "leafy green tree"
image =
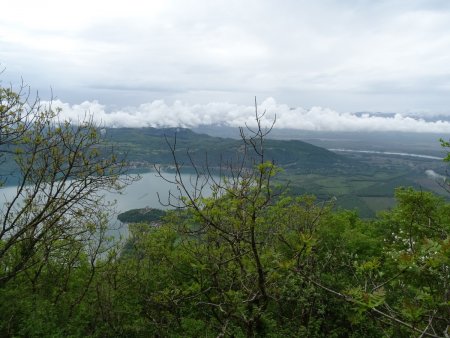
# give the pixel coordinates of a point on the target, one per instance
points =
(53, 229)
(416, 261)
(224, 238)
(243, 249)
(392, 272)
(62, 169)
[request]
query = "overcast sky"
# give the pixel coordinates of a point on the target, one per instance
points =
(142, 62)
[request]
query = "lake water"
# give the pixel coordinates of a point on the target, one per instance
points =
(144, 193)
(140, 194)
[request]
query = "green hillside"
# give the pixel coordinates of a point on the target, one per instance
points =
(364, 182)
(151, 146)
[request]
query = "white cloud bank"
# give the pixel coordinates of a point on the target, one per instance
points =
(160, 114)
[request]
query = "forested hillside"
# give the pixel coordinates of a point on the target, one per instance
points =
(252, 260)
(358, 181)
(152, 146)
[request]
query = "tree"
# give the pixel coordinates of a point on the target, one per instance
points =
(242, 244)
(61, 169)
(229, 245)
(415, 261)
(253, 261)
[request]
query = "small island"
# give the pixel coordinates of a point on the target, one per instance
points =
(143, 215)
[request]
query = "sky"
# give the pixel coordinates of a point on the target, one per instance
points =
(313, 64)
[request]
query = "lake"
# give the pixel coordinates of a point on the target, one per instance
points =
(140, 194)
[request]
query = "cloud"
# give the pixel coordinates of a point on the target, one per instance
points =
(435, 176)
(354, 55)
(158, 113)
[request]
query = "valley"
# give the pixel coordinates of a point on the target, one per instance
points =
(363, 180)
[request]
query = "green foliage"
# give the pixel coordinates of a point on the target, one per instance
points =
(416, 253)
(250, 261)
(53, 230)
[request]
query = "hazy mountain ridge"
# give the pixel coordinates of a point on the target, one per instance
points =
(153, 145)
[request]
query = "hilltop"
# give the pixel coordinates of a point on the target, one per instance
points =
(150, 146)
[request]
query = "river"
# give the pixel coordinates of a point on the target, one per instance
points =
(428, 157)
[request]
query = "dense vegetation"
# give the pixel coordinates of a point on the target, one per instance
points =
(250, 260)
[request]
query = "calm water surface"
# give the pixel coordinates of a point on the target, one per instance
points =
(140, 194)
